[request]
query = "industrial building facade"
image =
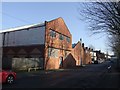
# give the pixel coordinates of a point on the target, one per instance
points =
(47, 45)
(23, 47)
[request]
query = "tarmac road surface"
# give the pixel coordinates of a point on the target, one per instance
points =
(89, 76)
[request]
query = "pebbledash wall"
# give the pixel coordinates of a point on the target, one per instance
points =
(47, 45)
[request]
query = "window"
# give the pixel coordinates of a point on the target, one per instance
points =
(68, 39)
(52, 33)
(61, 37)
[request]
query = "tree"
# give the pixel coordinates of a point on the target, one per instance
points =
(104, 17)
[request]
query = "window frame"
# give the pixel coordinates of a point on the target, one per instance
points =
(52, 33)
(61, 36)
(68, 39)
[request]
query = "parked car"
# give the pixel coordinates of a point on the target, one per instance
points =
(7, 76)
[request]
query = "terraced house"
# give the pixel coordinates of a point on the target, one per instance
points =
(47, 45)
(78, 53)
(88, 56)
(81, 54)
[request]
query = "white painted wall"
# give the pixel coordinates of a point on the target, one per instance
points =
(25, 37)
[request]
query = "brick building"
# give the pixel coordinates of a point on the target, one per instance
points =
(58, 45)
(47, 45)
(81, 54)
(87, 56)
(99, 55)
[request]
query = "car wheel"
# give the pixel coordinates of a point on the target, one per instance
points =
(10, 79)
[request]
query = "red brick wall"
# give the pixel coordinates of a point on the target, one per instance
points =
(87, 56)
(83, 52)
(69, 61)
(78, 53)
(64, 48)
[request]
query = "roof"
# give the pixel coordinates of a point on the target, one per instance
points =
(59, 25)
(73, 45)
(22, 27)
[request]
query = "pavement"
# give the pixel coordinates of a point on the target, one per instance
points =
(93, 75)
(25, 74)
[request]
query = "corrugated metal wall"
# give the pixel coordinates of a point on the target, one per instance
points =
(1, 49)
(24, 48)
(30, 36)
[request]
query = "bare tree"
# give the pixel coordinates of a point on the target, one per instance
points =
(103, 17)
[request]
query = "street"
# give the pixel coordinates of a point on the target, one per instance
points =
(89, 76)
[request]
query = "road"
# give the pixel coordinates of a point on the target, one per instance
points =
(89, 76)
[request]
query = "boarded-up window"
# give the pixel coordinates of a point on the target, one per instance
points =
(25, 63)
(52, 52)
